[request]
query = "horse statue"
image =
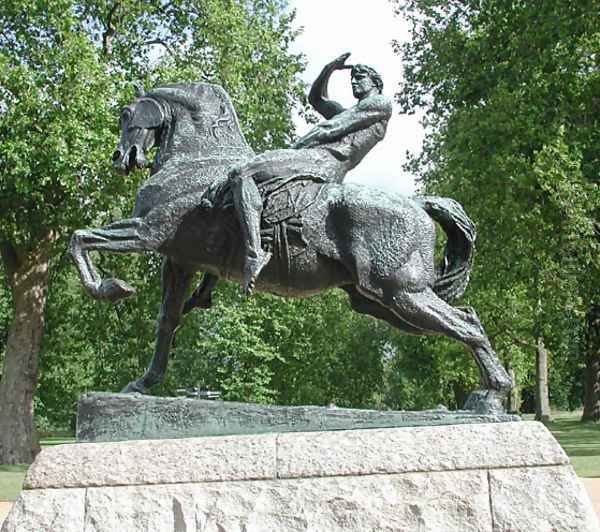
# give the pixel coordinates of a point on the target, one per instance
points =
(377, 246)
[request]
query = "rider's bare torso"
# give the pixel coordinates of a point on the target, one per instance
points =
(335, 146)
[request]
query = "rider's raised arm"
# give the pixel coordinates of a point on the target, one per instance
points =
(318, 95)
(368, 112)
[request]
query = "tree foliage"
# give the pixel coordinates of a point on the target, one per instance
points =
(65, 69)
(510, 92)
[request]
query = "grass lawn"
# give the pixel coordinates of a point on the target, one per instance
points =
(581, 441)
(11, 480)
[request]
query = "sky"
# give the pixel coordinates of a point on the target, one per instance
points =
(332, 27)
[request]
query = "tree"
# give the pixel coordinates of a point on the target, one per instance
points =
(53, 132)
(510, 93)
(591, 401)
(65, 67)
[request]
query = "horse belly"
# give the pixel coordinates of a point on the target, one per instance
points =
(304, 274)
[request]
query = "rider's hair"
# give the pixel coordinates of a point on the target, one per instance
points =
(372, 73)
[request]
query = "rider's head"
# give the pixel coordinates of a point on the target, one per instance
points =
(364, 79)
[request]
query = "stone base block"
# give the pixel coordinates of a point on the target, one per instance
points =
(489, 477)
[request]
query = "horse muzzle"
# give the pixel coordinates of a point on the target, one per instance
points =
(124, 161)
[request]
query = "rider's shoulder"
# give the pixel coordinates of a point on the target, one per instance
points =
(377, 102)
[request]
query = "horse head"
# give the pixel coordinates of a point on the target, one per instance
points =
(140, 124)
(192, 121)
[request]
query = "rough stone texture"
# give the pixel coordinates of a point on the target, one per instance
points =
(310, 454)
(489, 477)
(47, 511)
(154, 462)
(117, 417)
(445, 502)
(543, 498)
(360, 452)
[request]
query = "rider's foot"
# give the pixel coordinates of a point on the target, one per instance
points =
(252, 269)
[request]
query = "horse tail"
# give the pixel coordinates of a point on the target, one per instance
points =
(454, 271)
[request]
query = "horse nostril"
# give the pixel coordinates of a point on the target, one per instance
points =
(117, 156)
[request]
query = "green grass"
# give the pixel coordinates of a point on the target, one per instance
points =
(11, 481)
(48, 441)
(581, 441)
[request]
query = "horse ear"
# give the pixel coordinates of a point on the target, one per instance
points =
(139, 90)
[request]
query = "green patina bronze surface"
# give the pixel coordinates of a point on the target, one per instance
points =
(106, 417)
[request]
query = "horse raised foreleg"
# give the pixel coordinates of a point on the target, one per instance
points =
(175, 284)
(123, 236)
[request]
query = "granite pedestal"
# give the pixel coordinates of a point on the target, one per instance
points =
(479, 477)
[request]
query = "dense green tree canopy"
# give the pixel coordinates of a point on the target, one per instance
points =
(510, 93)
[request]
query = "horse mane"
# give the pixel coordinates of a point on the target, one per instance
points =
(189, 95)
(209, 106)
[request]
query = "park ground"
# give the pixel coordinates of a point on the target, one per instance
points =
(581, 441)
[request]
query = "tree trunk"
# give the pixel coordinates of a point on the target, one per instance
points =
(591, 398)
(27, 276)
(514, 399)
(542, 401)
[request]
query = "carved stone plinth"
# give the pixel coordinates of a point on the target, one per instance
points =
(483, 477)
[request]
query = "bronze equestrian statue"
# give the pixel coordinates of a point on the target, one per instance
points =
(314, 232)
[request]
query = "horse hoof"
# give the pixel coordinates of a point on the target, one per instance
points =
(133, 387)
(489, 402)
(114, 290)
(192, 303)
(248, 288)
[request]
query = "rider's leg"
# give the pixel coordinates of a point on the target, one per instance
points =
(284, 163)
(248, 205)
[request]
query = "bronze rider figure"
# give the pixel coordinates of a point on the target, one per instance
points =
(328, 151)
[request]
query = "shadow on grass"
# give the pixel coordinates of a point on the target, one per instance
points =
(19, 468)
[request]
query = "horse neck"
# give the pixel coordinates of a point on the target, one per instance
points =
(176, 141)
(183, 139)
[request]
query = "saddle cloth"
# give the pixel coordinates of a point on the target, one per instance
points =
(284, 202)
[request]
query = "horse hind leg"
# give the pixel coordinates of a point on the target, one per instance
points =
(175, 284)
(364, 305)
(202, 296)
(424, 310)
